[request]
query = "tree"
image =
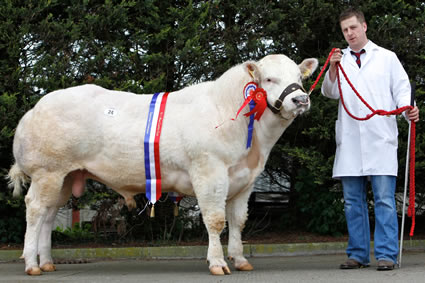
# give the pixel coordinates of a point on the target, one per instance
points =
(149, 46)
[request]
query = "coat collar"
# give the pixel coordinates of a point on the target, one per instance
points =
(370, 47)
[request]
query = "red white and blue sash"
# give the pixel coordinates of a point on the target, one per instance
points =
(151, 146)
(175, 197)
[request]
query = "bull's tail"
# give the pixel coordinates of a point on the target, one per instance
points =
(17, 179)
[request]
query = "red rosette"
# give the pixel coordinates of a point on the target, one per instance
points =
(259, 96)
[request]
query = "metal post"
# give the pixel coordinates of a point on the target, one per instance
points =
(406, 177)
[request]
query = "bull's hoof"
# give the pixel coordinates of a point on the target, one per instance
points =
(33, 271)
(246, 266)
(220, 270)
(48, 267)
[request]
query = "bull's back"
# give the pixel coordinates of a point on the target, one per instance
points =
(75, 124)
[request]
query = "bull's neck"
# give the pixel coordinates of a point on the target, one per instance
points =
(232, 84)
(269, 129)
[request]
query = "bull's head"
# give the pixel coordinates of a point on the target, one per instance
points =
(282, 79)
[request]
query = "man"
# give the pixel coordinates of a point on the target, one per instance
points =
(367, 150)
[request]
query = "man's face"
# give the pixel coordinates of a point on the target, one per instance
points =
(354, 33)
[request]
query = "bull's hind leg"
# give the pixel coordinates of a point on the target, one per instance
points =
(211, 187)
(45, 239)
(237, 213)
(42, 195)
(35, 217)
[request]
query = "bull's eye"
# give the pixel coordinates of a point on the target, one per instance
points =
(269, 80)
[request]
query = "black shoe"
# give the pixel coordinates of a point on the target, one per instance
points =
(384, 265)
(352, 264)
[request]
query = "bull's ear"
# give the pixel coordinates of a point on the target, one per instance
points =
(253, 71)
(308, 66)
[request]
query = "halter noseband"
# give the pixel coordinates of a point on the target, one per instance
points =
(288, 90)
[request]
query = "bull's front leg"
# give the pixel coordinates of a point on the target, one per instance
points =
(237, 213)
(211, 184)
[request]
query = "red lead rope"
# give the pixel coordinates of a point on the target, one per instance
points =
(398, 111)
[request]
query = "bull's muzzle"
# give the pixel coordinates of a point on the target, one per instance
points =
(301, 100)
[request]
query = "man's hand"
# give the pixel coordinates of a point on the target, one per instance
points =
(335, 58)
(413, 114)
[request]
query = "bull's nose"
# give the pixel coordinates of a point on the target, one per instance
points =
(301, 100)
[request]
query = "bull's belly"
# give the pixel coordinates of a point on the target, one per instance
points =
(178, 181)
(134, 183)
(129, 182)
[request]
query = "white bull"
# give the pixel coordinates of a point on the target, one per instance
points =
(68, 137)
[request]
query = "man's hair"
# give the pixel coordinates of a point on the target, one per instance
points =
(350, 12)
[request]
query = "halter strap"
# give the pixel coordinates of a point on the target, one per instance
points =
(288, 90)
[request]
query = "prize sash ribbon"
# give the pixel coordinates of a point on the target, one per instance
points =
(246, 92)
(175, 197)
(257, 99)
(151, 146)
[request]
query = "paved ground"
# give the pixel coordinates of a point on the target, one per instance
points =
(308, 268)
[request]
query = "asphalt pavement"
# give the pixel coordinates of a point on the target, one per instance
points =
(299, 262)
(314, 268)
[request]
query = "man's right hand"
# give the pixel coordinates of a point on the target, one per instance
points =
(335, 58)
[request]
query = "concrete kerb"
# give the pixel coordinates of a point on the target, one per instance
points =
(199, 252)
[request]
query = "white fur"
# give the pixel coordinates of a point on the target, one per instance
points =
(70, 130)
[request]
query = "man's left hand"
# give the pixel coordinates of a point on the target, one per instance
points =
(413, 114)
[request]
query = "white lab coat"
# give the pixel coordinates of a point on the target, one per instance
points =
(365, 148)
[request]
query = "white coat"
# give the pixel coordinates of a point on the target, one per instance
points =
(365, 148)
